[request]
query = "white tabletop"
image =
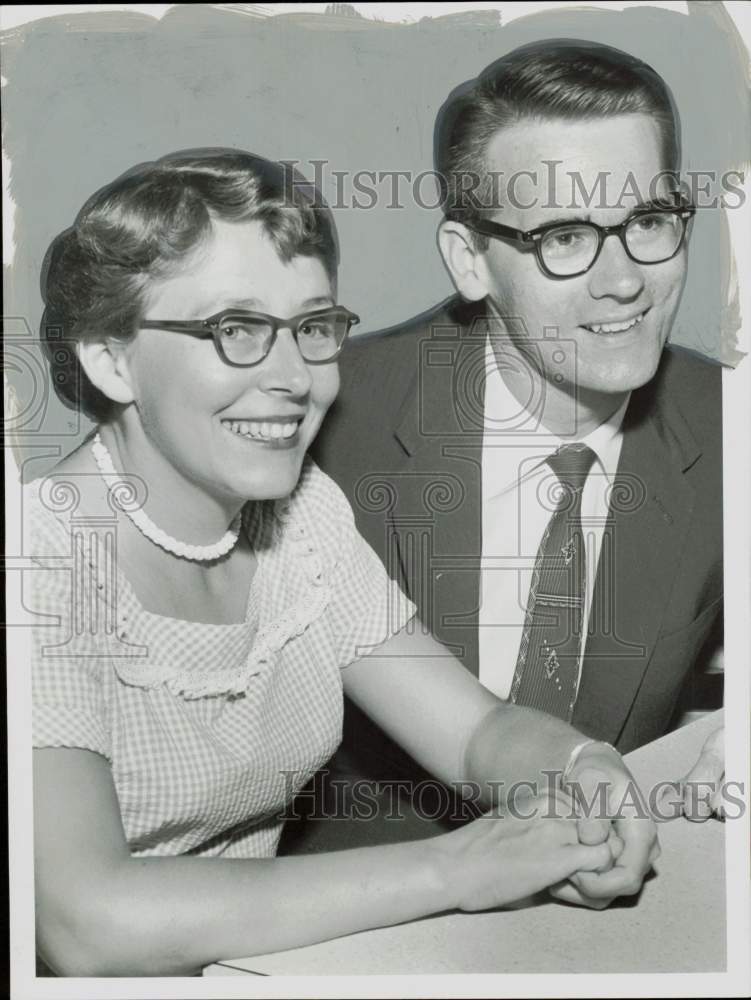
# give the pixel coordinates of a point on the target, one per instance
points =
(677, 924)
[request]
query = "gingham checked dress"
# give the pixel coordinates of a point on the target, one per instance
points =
(209, 730)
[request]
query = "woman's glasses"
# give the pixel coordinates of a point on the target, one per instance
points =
(244, 339)
(650, 235)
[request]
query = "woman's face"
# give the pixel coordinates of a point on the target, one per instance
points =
(189, 403)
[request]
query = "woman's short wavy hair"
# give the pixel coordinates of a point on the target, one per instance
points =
(143, 226)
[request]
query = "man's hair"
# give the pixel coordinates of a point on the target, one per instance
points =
(557, 79)
(143, 227)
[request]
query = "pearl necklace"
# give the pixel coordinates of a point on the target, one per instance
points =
(197, 553)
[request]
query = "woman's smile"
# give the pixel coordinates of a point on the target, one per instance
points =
(279, 432)
(183, 388)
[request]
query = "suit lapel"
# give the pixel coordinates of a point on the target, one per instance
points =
(651, 507)
(437, 517)
(437, 520)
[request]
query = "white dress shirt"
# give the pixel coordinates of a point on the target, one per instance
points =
(516, 507)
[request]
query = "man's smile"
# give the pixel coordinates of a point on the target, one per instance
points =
(616, 326)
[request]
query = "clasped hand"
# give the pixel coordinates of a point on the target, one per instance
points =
(610, 810)
(582, 853)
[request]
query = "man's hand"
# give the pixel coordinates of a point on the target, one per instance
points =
(611, 809)
(701, 789)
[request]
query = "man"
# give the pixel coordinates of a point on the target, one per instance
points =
(567, 240)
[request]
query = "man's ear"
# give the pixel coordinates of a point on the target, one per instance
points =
(463, 261)
(106, 366)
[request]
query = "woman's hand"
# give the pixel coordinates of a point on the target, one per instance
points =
(499, 859)
(102, 911)
(607, 793)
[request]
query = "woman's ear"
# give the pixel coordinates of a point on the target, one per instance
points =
(106, 366)
(463, 261)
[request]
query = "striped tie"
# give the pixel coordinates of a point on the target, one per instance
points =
(547, 667)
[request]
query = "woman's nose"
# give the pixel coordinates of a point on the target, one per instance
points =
(284, 368)
(614, 274)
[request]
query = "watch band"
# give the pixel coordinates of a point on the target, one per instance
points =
(575, 754)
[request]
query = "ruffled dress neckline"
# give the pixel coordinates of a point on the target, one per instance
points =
(200, 659)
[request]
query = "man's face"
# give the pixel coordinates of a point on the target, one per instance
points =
(619, 313)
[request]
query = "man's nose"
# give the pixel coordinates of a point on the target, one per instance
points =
(284, 369)
(614, 274)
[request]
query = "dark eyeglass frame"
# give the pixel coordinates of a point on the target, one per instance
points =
(210, 328)
(531, 239)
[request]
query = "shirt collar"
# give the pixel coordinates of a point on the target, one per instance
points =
(513, 425)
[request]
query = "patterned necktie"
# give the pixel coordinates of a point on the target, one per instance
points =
(547, 668)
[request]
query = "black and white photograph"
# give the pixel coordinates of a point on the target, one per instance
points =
(377, 488)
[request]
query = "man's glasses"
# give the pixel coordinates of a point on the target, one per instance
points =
(244, 339)
(651, 235)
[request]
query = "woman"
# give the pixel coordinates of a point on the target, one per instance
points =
(189, 687)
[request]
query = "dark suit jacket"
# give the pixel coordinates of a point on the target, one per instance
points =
(404, 442)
